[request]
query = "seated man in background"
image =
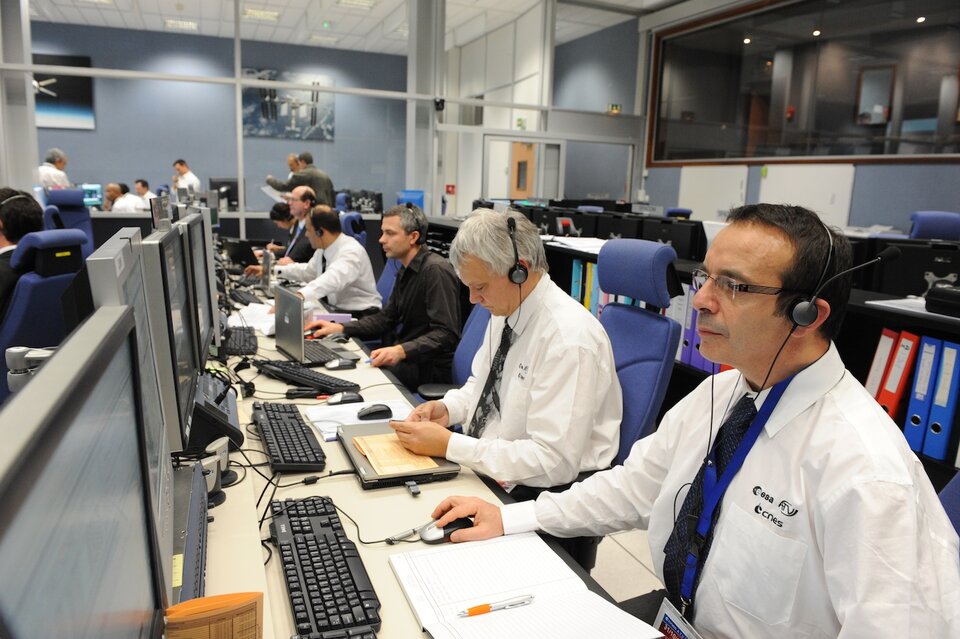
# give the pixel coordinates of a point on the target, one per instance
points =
(543, 403)
(297, 246)
(420, 323)
(809, 516)
(119, 199)
(339, 273)
(142, 187)
(19, 214)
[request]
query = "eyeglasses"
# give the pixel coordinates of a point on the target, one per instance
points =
(731, 286)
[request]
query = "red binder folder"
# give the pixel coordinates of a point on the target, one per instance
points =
(895, 383)
(881, 361)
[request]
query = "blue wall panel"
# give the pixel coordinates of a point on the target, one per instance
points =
(597, 70)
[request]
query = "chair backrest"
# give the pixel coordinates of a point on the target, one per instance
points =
(950, 498)
(73, 213)
(644, 342)
(470, 339)
(51, 218)
(48, 261)
(412, 196)
(352, 224)
(678, 213)
(590, 208)
(935, 225)
(342, 201)
(387, 278)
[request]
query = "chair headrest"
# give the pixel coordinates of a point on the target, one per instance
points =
(65, 197)
(637, 269)
(25, 255)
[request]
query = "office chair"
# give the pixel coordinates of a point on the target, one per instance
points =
(470, 339)
(52, 219)
(589, 208)
(352, 224)
(935, 225)
(387, 278)
(412, 196)
(679, 213)
(342, 201)
(73, 213)
(644, 342)
(48, 262)
(950, 498)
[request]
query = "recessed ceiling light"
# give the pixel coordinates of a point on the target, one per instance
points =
(261, 14)
(182, 25)
(747, 40)
(921, 20)
(323, 39)
(358, 4)
(816, 33)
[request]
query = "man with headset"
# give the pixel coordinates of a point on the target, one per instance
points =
(809, 516)
(553, 409)
(420, 324)
(19, 214)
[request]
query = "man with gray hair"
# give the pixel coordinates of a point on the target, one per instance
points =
(420, 323)
(543, 404)
(52, 175)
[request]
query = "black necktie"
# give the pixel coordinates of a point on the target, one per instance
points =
(685, 528)
(490, 397)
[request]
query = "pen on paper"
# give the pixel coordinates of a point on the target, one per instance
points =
(506, 604)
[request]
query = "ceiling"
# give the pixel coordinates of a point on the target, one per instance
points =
(380, 26)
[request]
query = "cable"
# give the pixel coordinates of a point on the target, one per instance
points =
(375, 541)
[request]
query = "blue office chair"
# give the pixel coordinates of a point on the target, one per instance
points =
(935, 225)
(352, 224)
(51, 218)
(342, 201)
(387, 278)
(48, 262)
(950, 498)
(470, 339)
(73, 213)
(678, 213)
(644, 342)
(412, 196)
(589, 208)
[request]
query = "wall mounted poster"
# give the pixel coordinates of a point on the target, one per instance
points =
(285, 113)
(63, 101)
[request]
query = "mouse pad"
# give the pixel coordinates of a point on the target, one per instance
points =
(370, 478)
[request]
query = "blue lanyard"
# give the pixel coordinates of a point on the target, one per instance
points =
(714, 488)
(293, 241)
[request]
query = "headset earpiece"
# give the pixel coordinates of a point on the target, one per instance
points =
(804, 311)
(518, 272)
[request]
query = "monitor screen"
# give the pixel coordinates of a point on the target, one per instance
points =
(75, 519)
(182, 323)
(200, 280)
(92, 195)
(211, 200)
(159, 209)
(116, 276)
(228, 189)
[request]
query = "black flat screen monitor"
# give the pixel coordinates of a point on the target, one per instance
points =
(78, 552)
(229, 189)
(685, 236)
(922, 265)
(199, 267)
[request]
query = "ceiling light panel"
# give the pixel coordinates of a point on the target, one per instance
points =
(265, 15)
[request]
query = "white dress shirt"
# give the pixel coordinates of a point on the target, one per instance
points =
(560, 398)
(830, 529)
(53, 178)
(127, 203)
(187, 180)
(145, 199)
(347, 282)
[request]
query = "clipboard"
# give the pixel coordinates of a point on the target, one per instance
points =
(370, 478)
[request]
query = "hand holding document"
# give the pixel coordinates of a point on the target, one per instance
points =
(388, 456)
(272, 193)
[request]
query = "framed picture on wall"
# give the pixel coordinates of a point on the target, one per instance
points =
(284, 113)
(63, 101)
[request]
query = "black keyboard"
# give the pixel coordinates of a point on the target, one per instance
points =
(294, 373)
(249, 281)
(244, 297)
(316, 353)
(290, 441)
(330, 592)
(241, 340)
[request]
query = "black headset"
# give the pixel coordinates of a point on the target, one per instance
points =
(420, 221)
(804, 311)
(14, 197)
(518, 272)
(311, 199)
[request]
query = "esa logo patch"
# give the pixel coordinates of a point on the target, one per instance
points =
(766, 509)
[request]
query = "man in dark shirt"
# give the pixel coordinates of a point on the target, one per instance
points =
(420, 323)
(297, 246)
(307, 175)
(19, 214)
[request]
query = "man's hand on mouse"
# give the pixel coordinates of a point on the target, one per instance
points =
(432, 411)
(487, 521)
(387, 356)
(322, 328)
(423, 438)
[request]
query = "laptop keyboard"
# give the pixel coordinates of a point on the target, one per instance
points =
(317, 353)
(294, 373)
(290, 442)
(330, 591)
(242, 340)
(243, 297)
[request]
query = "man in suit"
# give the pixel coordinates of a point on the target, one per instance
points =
(19, 214)
(307, 175)
(297, 246)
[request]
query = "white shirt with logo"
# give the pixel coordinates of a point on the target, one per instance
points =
(830, 529)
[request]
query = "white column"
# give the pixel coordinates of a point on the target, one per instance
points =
(18, 126)
(425, 66)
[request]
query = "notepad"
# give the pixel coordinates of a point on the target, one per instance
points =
(440, 582)
(388, 456)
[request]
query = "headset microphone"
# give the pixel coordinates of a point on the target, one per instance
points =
(804, 312)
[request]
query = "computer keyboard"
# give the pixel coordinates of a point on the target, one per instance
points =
(330, 592)
(290, 442)
(249, 281)
(317, 353)
(244, 297)
(241, 340)
(294, 373)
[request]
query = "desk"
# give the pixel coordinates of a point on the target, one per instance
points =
(235, 556)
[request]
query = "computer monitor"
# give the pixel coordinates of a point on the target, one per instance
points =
(211, 200)
(160, 209)
(182, 194)
(922, 265)
(200, 265)
(116, 278)
(78, 550)
(92, 194)
(169, 296)
(228, 189)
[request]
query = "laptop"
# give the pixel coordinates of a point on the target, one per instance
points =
(369, 478)
(239, 251)
(289, 333)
